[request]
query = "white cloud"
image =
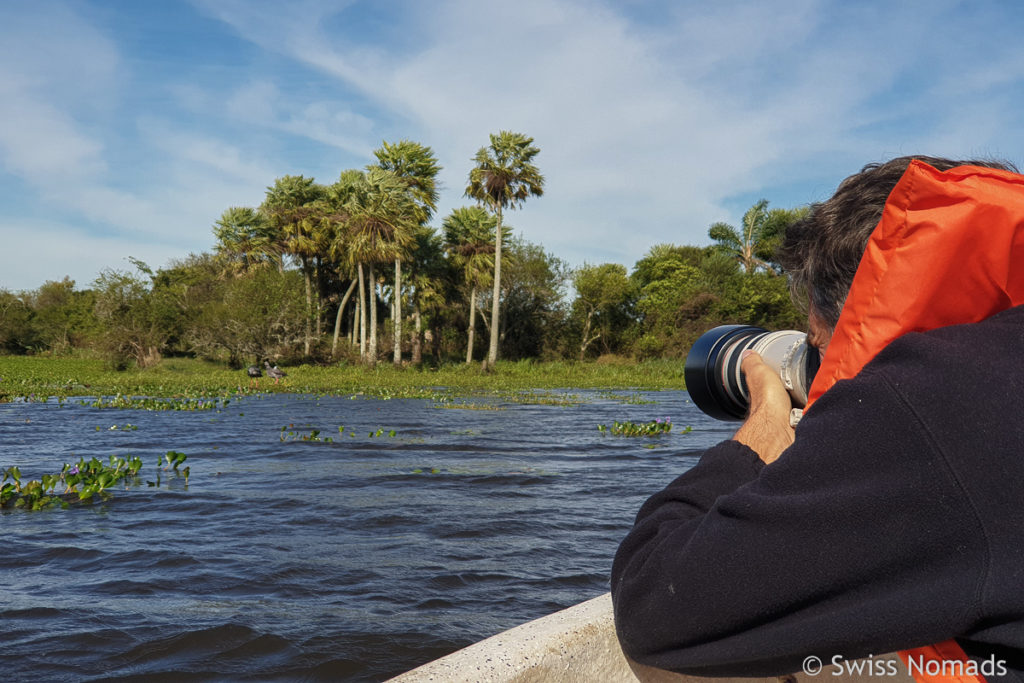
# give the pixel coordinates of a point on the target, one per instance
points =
(650, 129)
(638, 138)
(193, 152)
(42, 144)
(49, 58)
(39, 251)
(330, 122)
(59, 136)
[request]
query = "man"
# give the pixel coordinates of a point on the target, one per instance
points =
(892, 517)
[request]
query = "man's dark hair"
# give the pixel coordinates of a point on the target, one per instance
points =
(822, 251)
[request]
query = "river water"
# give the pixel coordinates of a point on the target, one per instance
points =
(353, 559)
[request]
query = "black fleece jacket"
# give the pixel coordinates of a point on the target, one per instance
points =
(895, 520)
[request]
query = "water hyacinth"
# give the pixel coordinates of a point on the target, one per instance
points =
(290, 433)
(121, 401)
(655, 427)
(82, 481)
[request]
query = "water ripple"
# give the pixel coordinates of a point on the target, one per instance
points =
(353, 559)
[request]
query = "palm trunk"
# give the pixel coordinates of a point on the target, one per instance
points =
(353, 324)
(371, 296)
(472, 325)
(337, 318)
(492, 353)
(309, 305)
(317, 268)
(397, 315)
(362, 316)
(417, 343)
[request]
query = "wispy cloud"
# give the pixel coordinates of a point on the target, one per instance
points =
(40, 139)
(642, 133)
(655, 119)
(37, 251)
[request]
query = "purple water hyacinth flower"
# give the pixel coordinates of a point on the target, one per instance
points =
(73, 470)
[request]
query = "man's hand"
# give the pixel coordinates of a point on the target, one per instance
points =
(766, 430)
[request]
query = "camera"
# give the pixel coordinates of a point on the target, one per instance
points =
(713, 376)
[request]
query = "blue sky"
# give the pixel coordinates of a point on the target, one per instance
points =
(127, 127)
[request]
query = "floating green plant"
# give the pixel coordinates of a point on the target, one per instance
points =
(81, 481)
(174, 459)
(465, 405)
(629, 399)
(188, 404)
(128, 427)
(653, 428)
(289, 433)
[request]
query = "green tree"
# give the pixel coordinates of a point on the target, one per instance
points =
(295, 209)
(773, 233)
(246, 239)
(381, 224)
(469, 235)
(417, 167)
(744, 244)
(16, 333)
(503, 177)
(183, 290)
(256, 315)
(339, 197)
(135, 326)
(429, 279)
(602, 295)
(533, 288)
(62, 318)
(663, 257)
(676, 287)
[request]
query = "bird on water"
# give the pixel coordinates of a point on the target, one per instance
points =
(275, 372)
(254, 373)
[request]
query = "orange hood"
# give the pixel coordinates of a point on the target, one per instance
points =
(948, 250)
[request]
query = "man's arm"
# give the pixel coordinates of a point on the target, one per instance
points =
(856, 541)
(766, 431)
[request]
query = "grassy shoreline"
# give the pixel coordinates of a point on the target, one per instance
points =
(39, 377)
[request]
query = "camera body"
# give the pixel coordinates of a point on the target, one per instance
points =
(713, 376)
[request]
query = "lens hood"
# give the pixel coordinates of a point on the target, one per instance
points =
(707, 371)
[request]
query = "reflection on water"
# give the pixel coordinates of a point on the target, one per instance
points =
(353, 559)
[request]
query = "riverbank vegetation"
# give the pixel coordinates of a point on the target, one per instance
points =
(329, 280)
(187, 382)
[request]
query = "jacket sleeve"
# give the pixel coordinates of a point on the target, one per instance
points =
(858, 540)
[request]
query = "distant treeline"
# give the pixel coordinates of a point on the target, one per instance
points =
(281, 280)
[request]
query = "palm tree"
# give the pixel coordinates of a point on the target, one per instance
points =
(336, 226)
(504, 177)
(428, 278)
(416, 165)
(381, 224)
(294, 206)
(469, 238)
(245, 238)
(340, 196)
(762, 231)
